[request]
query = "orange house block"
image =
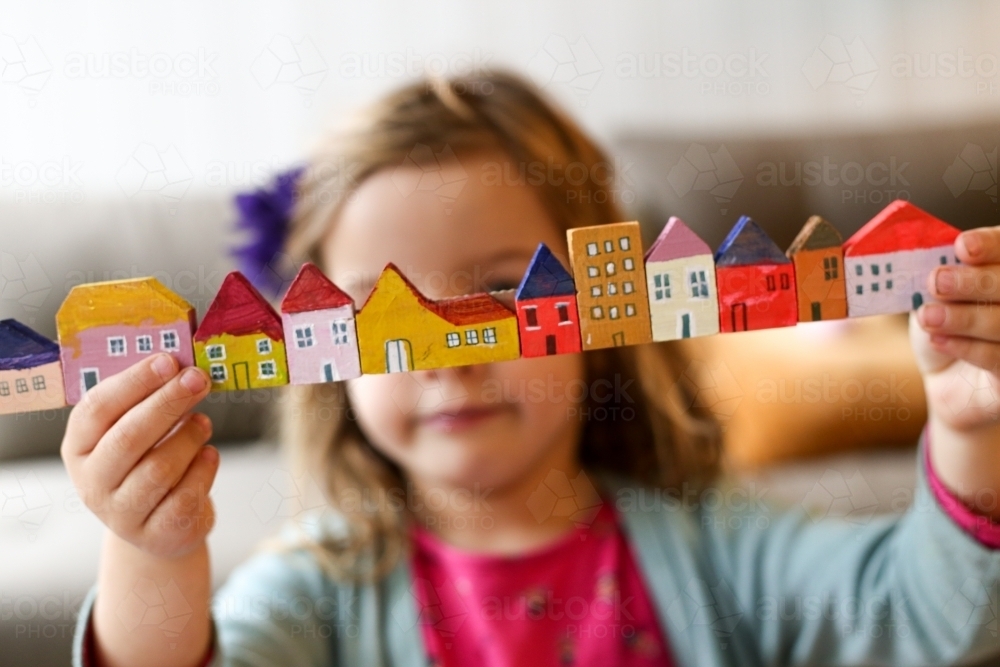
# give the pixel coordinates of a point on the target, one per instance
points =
(818, 257)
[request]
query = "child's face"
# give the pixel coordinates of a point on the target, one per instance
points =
(476, 424)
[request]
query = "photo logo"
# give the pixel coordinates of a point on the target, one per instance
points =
(162, 606)
(974, 170)
(560, 63)
(23, 63)
(297, 64)
(150, 170)
(701, 171)
(721, 611)
(835, 62)
(429, 392)
(838, 497)
(24, 282)
(426, 171)
(24, 499)
(710, 385)
(285, 496)
(973, 603)
(559, 496)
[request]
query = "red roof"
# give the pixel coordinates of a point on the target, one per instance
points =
(311, 290)
(458, 310)
(239, 309)
(900, 226)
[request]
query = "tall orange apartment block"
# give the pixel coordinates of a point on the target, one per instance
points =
(611, 285)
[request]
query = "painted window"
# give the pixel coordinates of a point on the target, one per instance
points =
(596, 312)
(593, 271)
(144, 343)
(609, 246)
(623, 243)
(698, 284)
(4, 388)
(595, 290)
(944, 260)
(116, 346)
(874, 269)
(263, 346)
(628, 287)
(609, 268)
(38, 382)
(531, 316)
(490, 336)
(612, 288)
(304, 336)
(21, 385)
(786, 282)
(661, 285)
(169, 341)
(888, 284)
(830, 268)
(613, 312)
(858, 269)
(629, 310)
(874, 287)
(471, 337)
(215, 352)
(266, 369)
(888, 267)
(859, 289)
(452, 339)
(770, 283)
(592, 249)
(563, 310)
(629, 264)
(217, 372)
(339, 329)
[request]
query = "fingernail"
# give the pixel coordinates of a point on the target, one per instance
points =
(973, 243)
(210, 454)
(933, 314)
(944, 281)
(164, 366)
(193, 380)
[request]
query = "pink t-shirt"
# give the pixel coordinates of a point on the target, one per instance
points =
(579, 601)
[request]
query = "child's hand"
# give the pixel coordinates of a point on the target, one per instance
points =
(958, 340)
(139, 460)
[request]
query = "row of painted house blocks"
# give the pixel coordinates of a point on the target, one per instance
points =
(614, 294)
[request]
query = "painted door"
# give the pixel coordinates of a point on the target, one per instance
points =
(816, 312)
(397, 357)
(89, 378)
(241, 375)
(618, 338)
(738, 313)
(685, 325)
(330, 373)
(550, 344)
(918, 299)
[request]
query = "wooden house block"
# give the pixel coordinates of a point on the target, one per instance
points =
(30, 370)
(888, 260)
(399, 329)
(756, 281)
(610, 285)
(818, 258)
(680, 281)
(106, 327)
(318, 322)
(547, 315)
(240, 342)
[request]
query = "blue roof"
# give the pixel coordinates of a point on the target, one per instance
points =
(545, 277)
(748, 244)
(22, 347)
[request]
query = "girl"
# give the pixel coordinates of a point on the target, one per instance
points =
(476, 522)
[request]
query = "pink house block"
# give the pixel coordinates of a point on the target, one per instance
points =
(321, 340)
(107, 327)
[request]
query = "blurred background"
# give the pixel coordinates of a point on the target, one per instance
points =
(127, 128)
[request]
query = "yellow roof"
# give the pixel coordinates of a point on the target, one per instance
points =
(129, 302)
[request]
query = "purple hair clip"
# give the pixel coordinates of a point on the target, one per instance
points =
(266, 213)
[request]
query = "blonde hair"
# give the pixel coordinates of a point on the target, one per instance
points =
(669, 442)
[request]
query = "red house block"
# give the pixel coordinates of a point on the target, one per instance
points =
(546, 307)
(756, 282)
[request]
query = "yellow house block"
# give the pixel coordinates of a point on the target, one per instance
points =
(241, 362)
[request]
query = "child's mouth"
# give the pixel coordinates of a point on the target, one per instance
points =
(465, 418)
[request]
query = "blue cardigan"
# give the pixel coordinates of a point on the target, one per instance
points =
(734, 583)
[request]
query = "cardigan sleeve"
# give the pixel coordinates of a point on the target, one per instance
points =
(275, 609)
(906, 590)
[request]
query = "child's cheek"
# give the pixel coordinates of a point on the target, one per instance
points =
(379, 402)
